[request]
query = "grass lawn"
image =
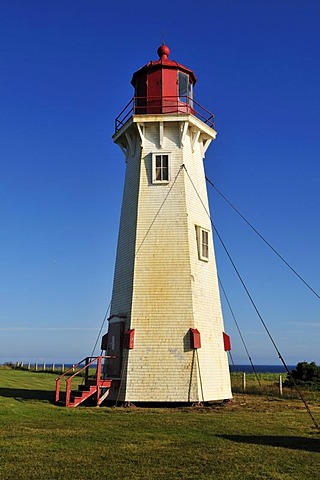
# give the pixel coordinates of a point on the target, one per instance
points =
(254, 437)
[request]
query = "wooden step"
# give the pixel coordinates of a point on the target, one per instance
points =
(85, 388)
(77, 397)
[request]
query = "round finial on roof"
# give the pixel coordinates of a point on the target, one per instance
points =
(163, 51)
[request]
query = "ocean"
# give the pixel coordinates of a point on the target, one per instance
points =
(246, 368)
(233, 368)
(260, 368)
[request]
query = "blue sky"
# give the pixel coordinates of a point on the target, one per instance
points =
(66, 68)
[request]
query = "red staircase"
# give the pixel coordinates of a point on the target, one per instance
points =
(95, 388)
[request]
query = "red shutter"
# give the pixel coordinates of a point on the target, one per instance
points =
(226, 342)
(128, 340)
(195, 338)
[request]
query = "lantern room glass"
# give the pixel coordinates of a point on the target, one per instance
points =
(185, 89)
(183, 83)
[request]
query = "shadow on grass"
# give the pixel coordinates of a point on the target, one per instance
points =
(24, 394)
(295, 443)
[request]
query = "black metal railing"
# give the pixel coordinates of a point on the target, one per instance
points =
(162, 105)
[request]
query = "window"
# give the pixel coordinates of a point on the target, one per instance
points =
(203, 243)
(160, 168)
(183, 81)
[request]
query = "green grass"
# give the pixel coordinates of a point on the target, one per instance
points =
(254, 437)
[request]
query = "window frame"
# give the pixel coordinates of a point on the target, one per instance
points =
(203, 246)
(183, 94)
(154, 167)
(190, 93)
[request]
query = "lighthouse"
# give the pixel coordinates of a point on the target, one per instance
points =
(166, 339)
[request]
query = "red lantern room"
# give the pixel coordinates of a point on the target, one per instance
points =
(163, 86)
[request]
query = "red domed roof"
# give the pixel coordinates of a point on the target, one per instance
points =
(163, 62)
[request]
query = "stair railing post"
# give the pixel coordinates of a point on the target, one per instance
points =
(86, 371)
(68, 391)
(57, 390)
(98, 381)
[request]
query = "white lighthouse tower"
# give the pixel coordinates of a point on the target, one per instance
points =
(166, 333)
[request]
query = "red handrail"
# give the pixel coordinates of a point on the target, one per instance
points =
(162, 105)
(88, 361)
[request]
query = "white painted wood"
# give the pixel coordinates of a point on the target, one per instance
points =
(161, 134)
(194, 138)
(140, 127)
(131, 142)
(184, 129)
(206, 144)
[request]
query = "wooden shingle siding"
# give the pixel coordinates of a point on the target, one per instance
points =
(160, 284)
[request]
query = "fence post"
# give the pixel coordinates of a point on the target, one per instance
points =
(280, 385)
(28, 365)
(244, 381)
(62, 368)
(53, 367)
(36, 367)
(44, 367)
